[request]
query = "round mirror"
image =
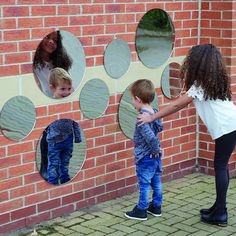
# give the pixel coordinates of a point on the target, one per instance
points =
(117, 58)
(171, 84)
(61, 151)
(94, 98)
(59, 49)
(155, 38)
(128, 114)
(17, 118)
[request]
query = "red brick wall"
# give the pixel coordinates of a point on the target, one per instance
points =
(218, 22)
(25, 198)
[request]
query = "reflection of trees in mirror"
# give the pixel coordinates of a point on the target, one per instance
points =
(154, 38)
(61, 151)
(156, 20)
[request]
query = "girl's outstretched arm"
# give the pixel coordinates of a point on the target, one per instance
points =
(173, 107)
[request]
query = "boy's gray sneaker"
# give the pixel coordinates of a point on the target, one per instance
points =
(154, 210)
(137, 214)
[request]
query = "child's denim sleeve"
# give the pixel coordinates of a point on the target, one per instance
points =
(77, 133)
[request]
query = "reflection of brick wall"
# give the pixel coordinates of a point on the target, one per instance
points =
(108, 170)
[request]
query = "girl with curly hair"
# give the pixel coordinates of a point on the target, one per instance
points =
(208, 87)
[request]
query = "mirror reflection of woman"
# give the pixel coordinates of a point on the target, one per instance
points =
(49, 54)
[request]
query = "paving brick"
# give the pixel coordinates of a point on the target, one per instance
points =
(71, 222)
(123, 228)
(63, 231)
(81, 229)
(200, 233)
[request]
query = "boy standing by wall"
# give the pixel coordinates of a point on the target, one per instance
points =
(147, 153)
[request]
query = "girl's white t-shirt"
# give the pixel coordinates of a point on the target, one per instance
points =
(219, 116)
(42, 74)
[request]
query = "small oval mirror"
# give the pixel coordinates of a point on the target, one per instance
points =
(117, 58)
(94, 98)
(171, 84)
(17, 118)
(155, 38)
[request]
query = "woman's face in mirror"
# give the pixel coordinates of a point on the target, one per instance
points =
(49, 43)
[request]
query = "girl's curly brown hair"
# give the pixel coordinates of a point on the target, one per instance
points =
(204, 66)
(59, 57)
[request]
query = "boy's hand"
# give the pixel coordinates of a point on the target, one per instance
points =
(144, 118)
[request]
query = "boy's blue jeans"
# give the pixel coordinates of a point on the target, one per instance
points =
(149, 174)
(59, 155)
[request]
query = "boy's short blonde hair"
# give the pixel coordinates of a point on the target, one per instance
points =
(57, 74)
(144, 89)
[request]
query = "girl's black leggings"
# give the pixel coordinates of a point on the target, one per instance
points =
(224, 147)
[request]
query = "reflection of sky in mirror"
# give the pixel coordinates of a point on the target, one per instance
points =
(117, 58)
(94, 98)
(78, 156)
(76, 52)
(17, 118)
(128, 114)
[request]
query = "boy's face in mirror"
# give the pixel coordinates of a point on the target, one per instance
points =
(49, 43)
(63, 89)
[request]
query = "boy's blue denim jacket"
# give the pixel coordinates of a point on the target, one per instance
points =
(61, 129)
(146, 140)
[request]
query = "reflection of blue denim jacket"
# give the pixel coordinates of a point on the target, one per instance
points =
(61, 129)
(146, 140)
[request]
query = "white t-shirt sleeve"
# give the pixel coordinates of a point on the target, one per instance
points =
(196, 92)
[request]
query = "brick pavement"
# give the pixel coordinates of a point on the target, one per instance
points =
(180, 214)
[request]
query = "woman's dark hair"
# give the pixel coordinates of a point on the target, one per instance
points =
(59, 57)
(204, 66)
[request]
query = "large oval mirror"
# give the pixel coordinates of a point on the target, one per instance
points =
(61, 151)
(117, 58)
(128, 114)
(171, 84)
(155, 38)
(59, 49)
(17, 118)
(94, 98)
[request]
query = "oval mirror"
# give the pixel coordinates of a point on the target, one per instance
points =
(117, 58)
(127, 114)
(17, 118)
(61, 151)
(94, 98)
(171, 84)
(59, 49)
(155, 38)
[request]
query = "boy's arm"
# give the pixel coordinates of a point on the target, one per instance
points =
(151, 140)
